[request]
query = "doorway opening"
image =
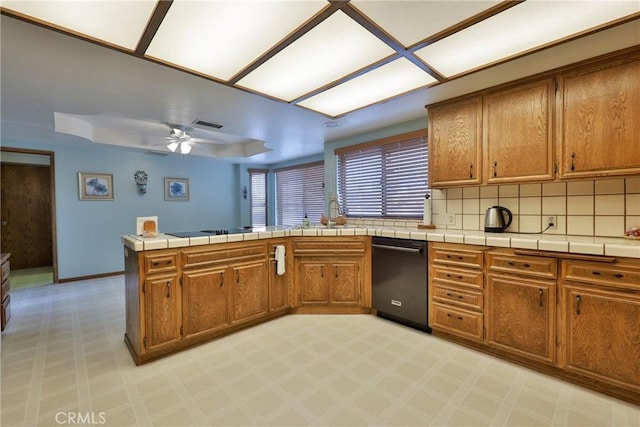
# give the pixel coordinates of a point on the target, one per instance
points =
(28, 230)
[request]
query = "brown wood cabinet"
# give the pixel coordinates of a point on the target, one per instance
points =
(518, 133)
(250, 290)
(163, 312)
(456, 289)
(5, 290)
(455, 138)
(575, 122)
(521, 304)
(176, 298)
(330, 273)
(601, 304)
(598, 120)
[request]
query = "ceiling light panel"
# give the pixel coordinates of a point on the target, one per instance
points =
(524, 27)
(333, 49)
(119, 23)
(412, 21)
(387, 81)
(219, 38)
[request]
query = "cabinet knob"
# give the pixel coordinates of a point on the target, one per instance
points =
(541, 292)
(168, 289)
(578, 304)
(495, 166)
(573, 158)
(471, 171)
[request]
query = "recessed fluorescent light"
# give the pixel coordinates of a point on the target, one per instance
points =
(333, 49)
(387, 81)
(529, 25)
(117, 23)
(219, 38)
(413, 21)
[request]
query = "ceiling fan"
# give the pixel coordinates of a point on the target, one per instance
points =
(180, 137)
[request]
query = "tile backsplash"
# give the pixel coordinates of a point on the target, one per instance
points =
(600, 207)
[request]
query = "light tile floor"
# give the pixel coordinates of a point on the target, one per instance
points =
(63, 356)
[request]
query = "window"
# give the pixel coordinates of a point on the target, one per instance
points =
(384, 178)
(258, 182)
(299, 192)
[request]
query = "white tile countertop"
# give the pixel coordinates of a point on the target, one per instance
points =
(609, 246)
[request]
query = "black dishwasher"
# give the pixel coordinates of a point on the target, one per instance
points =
(399, 278)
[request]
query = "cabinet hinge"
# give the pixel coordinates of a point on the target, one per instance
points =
(144, 342)
(484, 332)
(144, 288)
(555, 85)
(180, 280)
(181, 330)
(555, 168)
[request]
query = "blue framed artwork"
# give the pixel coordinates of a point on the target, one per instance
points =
(95, 186)
(176, 189)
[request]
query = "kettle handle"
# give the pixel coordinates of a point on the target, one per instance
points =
(509, 214)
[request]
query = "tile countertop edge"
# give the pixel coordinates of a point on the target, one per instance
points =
(609, 246)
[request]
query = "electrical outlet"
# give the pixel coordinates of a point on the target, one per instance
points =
(552, 222)
(448, 219)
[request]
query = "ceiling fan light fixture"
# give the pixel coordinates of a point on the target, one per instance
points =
(185, 148)
(173, 146)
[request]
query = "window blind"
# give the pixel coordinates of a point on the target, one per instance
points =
(385, 178)
(258, 182)
(299, 192)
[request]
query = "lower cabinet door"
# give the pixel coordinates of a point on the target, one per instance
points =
(603, 334)
(278, 291)
(249, 291)
(345, 283)
(163, 312)
(313, 281)
(521, 316)
(205, 301)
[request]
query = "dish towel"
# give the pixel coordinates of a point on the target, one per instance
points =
(280, 260)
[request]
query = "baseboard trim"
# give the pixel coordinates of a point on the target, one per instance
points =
(93, 276)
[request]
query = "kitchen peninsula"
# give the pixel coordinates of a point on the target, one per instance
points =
(184, 291)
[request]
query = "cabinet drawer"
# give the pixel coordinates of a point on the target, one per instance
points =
(457, 257)
(333, 246)
(218, 254)
(452, 277)
(160, 262)
(541, 267)
(5, 272)
(625, 276)
(457, 321)
(458, 297)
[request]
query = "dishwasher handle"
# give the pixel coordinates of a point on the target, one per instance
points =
(397, 248)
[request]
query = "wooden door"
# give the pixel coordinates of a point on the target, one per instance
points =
(313, 283)
(599, 121)
(204, 301)
(163, 312)
(345, 284)
(455, 139)
(249, 290)
(518, 127)
(603, 334)
(26, 215)
(520, 315)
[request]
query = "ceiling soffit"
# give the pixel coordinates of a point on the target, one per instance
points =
(333, 57)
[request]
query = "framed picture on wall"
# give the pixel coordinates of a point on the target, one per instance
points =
(95, 186)
(176, 189)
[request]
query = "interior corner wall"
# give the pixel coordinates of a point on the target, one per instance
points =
(89, 232)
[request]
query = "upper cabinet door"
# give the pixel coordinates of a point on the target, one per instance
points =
(599, 120)
(454, 143)
(518, 133)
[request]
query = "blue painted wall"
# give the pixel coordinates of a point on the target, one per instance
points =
(88, 232)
